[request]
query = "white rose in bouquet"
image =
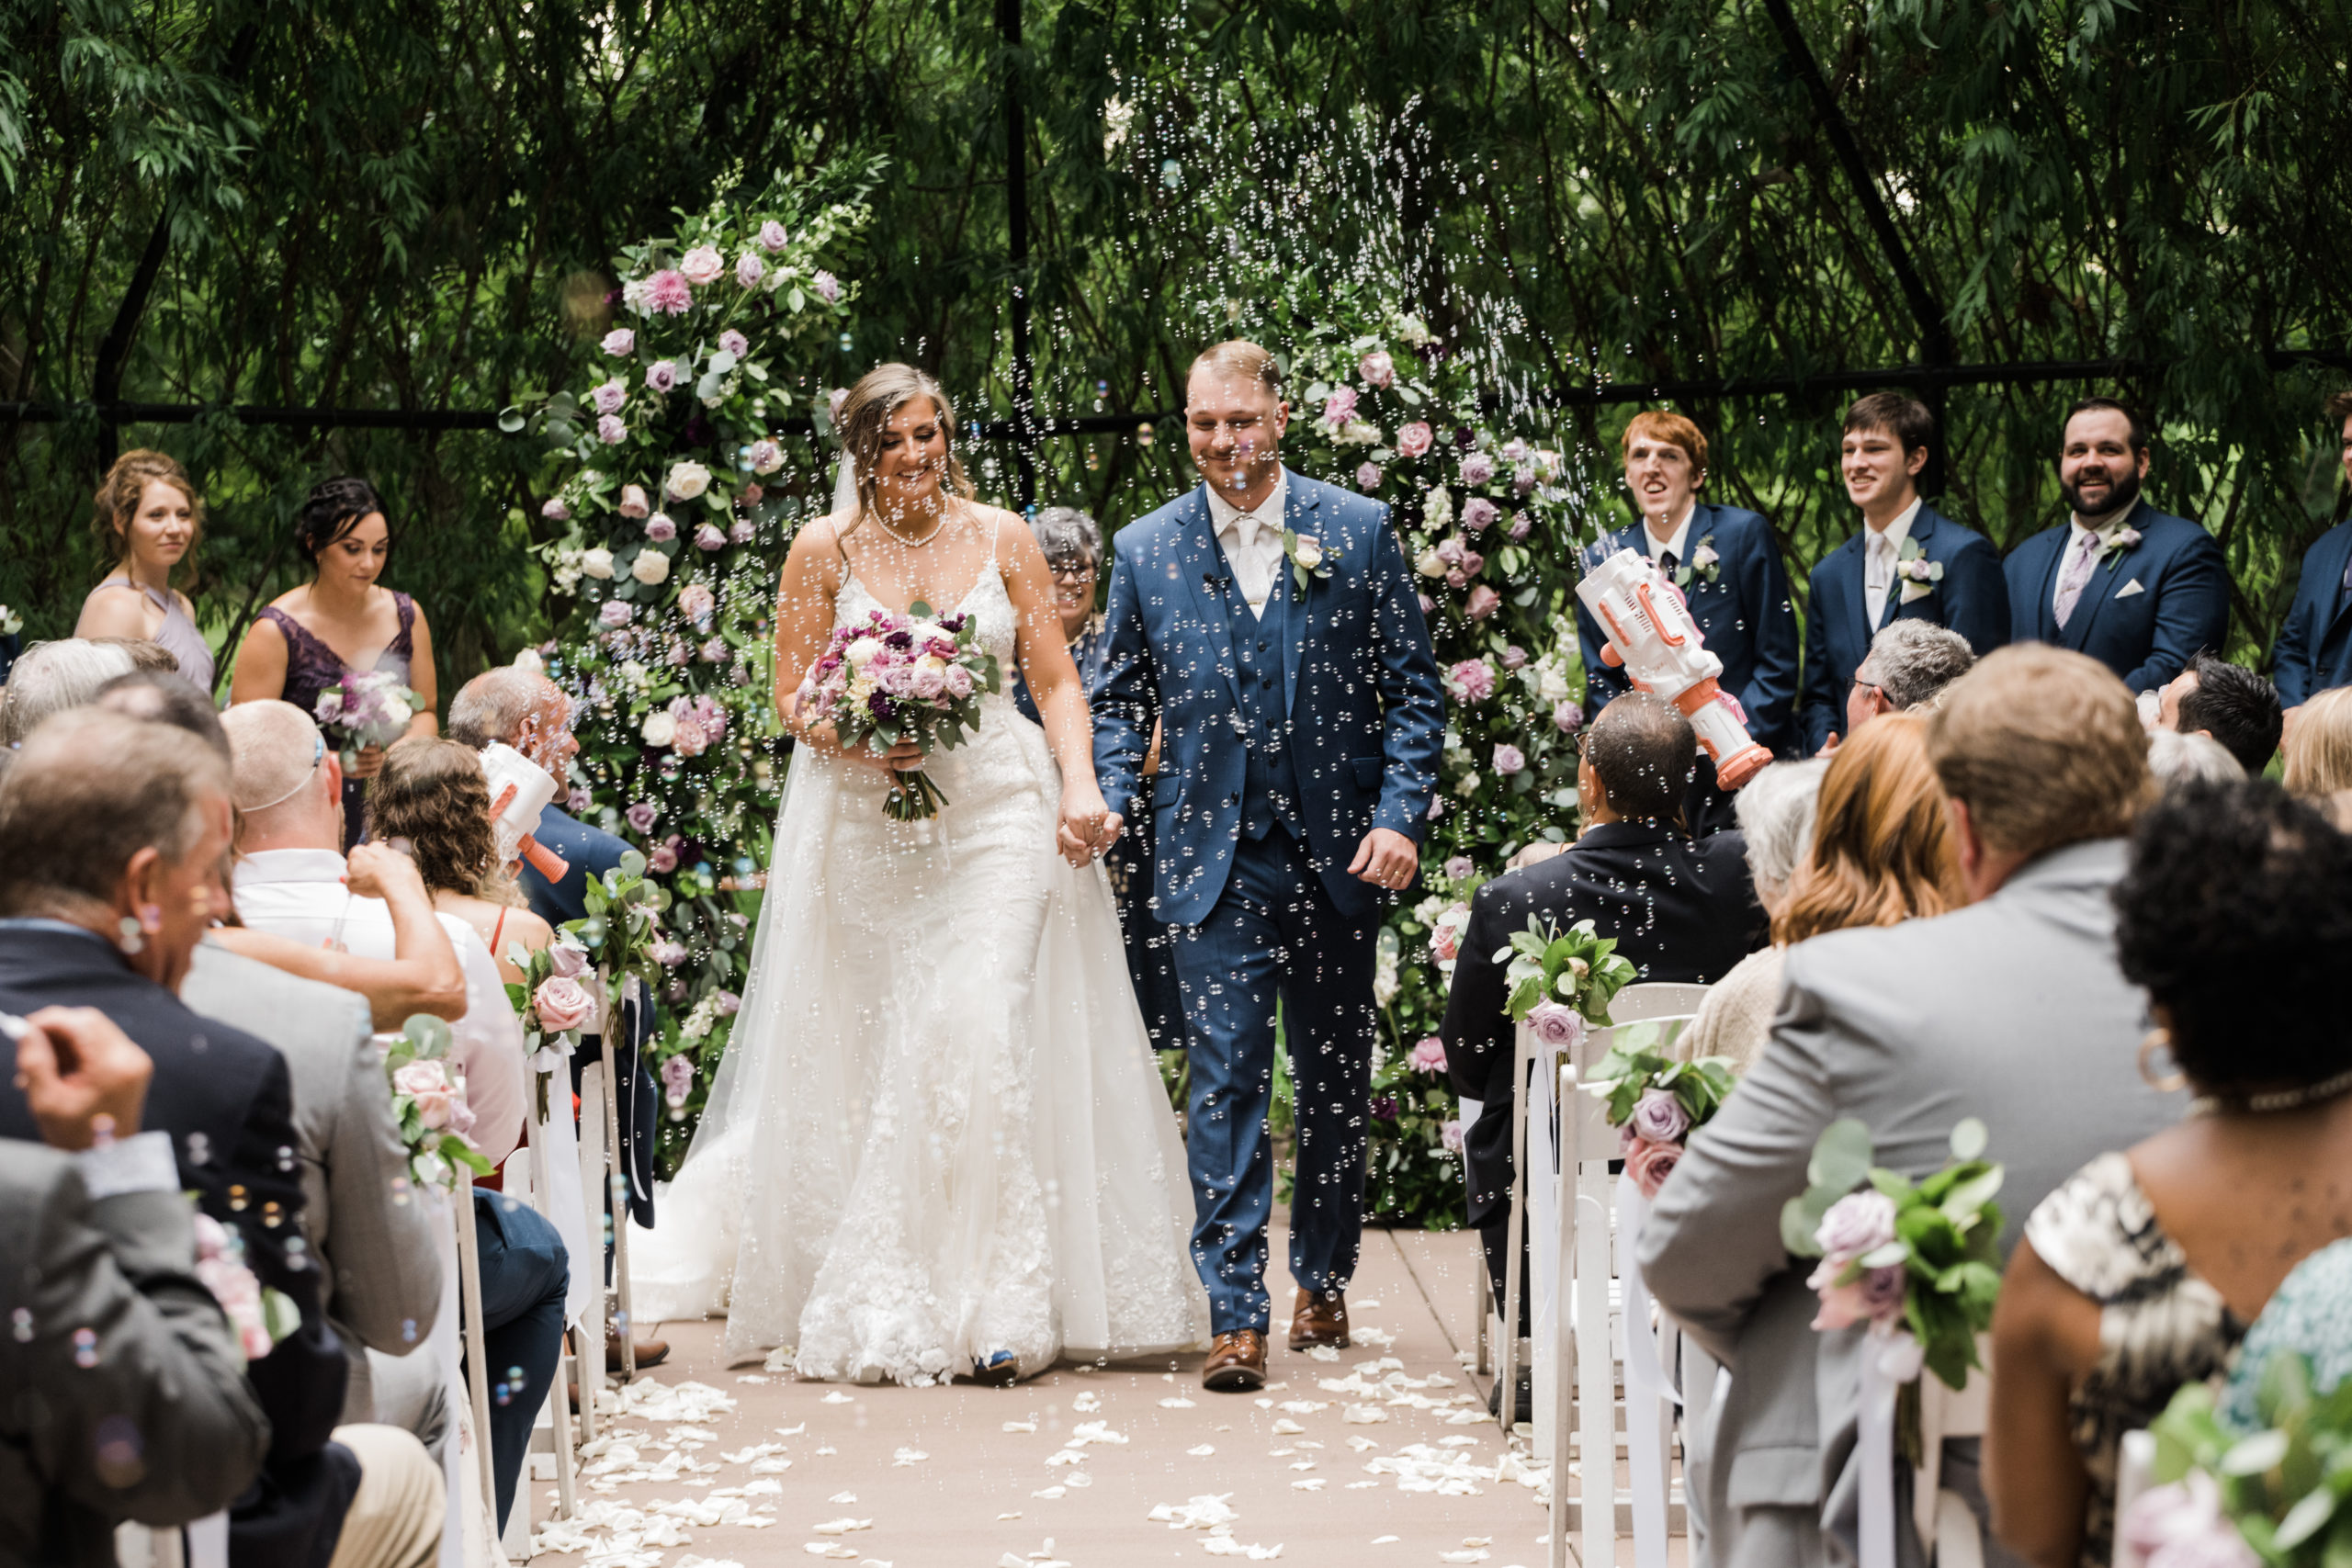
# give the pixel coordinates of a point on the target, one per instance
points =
(597, 562)
(687, 481)
(659, 728)
(651, 567)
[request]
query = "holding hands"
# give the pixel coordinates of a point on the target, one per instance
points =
(1088, 825)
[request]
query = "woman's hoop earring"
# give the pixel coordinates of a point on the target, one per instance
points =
(2167, 1082)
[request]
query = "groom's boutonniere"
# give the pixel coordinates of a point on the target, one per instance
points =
(2114, 542)
(1704, 564)
(1306, 553)
(1917, 574)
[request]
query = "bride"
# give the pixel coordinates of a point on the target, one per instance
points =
(937, 1146)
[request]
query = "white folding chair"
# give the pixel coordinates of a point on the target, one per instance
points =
(478, 1369)
(1947, 1526)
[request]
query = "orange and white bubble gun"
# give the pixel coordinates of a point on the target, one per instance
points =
(519, 790)
(1653, 637)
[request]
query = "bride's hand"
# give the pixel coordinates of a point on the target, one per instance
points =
(1080, 837)
(905, 757)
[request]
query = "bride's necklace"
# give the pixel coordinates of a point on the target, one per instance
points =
(938, 528)
(2274, 1100)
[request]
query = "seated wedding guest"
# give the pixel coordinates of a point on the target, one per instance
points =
(2042, 755)
(2140, 1273)
(297, 648)
(114, 833)
(148, 520)
(1727, 565)
(1867, 583)
(1072, 545)
(1681, 909)
(150, 1419)
(529, 712)
(432, 794)
(1908, 666)
(2227, 702)
(2318, 751)
(145, 655)
(2313, 651)
(53, 676)
(2139, 590)
(422, 975)
(2173, 758)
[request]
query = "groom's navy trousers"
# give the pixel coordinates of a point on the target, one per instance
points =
(1274, 936)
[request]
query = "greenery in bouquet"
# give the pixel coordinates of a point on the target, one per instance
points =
(553, 1003)
(1655, 1103)
(1559, 981)
(679, 488)
(429, 1104)
(365, 708)
(2281, 1495)
(1909, 1257)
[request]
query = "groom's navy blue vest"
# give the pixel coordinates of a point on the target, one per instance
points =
(1270, 785)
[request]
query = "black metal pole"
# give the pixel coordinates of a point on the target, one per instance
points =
(1016, 197)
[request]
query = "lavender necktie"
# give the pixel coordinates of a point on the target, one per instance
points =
(2078, 575)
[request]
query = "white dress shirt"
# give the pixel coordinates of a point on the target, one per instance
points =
(300, 894)
(1678, 541)
(2077, 529)
(1880, 550)
(1254, 540)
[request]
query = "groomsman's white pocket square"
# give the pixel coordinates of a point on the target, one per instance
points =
(2129, 588)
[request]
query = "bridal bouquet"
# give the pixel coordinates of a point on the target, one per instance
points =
(2231, 1497)
(1918, 1261)
(368, 708)
(892, 678)
(1655, 1103)
(429, 1103)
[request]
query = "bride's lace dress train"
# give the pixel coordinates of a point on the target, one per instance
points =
(939, 1131)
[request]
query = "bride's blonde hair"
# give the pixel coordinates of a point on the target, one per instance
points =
(867, 410)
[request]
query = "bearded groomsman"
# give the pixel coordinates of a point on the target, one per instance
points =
(2314, 648)
(1728, 568)
(2139, 590)
(1909, 562)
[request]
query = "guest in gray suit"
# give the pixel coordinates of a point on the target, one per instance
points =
(2012, 1009)
(127, 1392)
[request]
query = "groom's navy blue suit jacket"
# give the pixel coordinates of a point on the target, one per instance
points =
(1743, 614)
(2146, 611)
(1366, 715)
(1972, 600)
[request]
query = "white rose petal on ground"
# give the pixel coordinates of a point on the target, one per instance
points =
(1087, 1403)
(838, 1397)
(1052, 1493)
(1286, 1428)
(1313, 1483)
(840, 1527)
(1202, 1451)
(1206, 1512)
(1225, 1546)
(1020, 1426)
(1179, 1403)
(1362, 1445)
(844, 1498)
(906, 1457)
(1364, 1415)
(1385, 1539)
(827, 1548)
(1323, 1353)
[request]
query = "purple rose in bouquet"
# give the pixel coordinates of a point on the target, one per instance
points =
(1567, 718)
(662, 376)
(1368, 476)
(366, 708)
(677, 1078)
(773, 237)
(1477, 469)
(609, 396)
(610, 430)
(1377, 369)
(749, 270)
(1514, 657)
(711, 537)
(1556, 1025)
(621, 343)
(1478, 514)
(1519, 524)
(734, 343)
(1457, 867)
(1508, 759)
(1660, 1117)
(744, 531)
(555, 511)
(893, 678)
(659, 528)
(641, 815)
(828, 287)
(1449, 1136)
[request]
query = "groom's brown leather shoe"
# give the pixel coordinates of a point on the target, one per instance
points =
(1320, 1318)
(1237, 1362)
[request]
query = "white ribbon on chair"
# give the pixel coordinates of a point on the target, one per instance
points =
(1888, 1362)
(1647, 1386)
(1544, 1179)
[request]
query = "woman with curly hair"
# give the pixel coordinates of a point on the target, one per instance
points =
(432, 794)
(148, 520)
(2141, 1273)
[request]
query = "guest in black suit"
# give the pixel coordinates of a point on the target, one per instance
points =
(113, 832)
(1681, 908)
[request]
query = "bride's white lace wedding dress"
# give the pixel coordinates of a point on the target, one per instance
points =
(939, 1132)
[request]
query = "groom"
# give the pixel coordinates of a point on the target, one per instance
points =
(1271, 624)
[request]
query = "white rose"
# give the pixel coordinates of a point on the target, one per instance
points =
(650, 567)
(1310, 551)
(597, 562)
(687, 481)
(1466, 785)
(861, 653)
(1428, 564)
(1359, 432)
(1552, 687)
(659, 728)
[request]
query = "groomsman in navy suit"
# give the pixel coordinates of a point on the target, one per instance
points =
(2314, 648)
(1726, 562)
(2139, 590)
(1909, 563)
(1271, 623)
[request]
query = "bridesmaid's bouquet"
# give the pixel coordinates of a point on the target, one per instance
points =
(370, 707)
(912, 677)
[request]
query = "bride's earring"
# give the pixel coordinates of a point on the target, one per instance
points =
(2166, 1082)
(129, 937)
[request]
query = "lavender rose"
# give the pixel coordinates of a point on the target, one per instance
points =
(1567, 718)
(711, 537)
(615, 615)
(563, 1003)
(608, 396)
(641, 816)
(659, 528)
(773, 237)
(610, 430)
(1556, 1025)
(1457, 867)
(1659, 1117)
(734, 343)
(702, 264)
(621, 343)
(661, 376)
(828, 287)
(1508, 759)
(1368, 476)
(566, 957)
(1478, 513)
(1477, 469)
(750, 269)
(1856, 1223)
(1377, 369)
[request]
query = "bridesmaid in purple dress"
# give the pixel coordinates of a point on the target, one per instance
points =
(149, 520)
(342, 622)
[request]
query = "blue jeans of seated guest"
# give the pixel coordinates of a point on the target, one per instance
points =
(1276, 936)
(525, 1274)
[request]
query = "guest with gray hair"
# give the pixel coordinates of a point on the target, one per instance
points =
(55, 676)
(1072, 544)
(2176, 758)
(1908, 666)
(1776, 813)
